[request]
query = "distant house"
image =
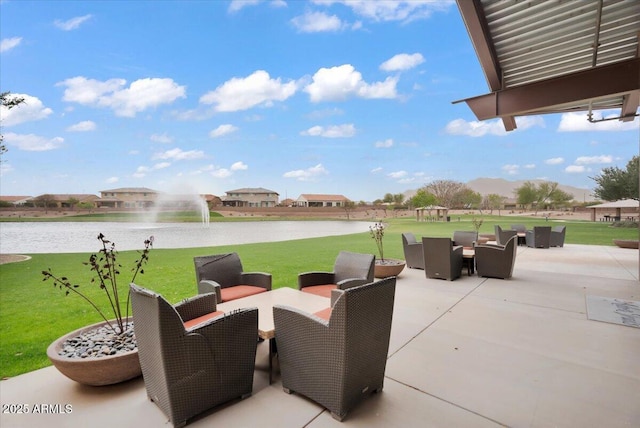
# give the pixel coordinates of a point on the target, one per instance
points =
(310, 200)
(250, 197)
(65, 200)
(15, 200)
(212, 200)
(128, 197)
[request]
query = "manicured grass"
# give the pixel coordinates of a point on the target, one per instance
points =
(33, 313)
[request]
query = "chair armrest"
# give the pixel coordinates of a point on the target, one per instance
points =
(209, 286)
(351, 282)
(298, 322)
(257, 279)
(496, 246)
(308, 279)
(231, 338)
(196, 306)
(457, 249)
(487, 249)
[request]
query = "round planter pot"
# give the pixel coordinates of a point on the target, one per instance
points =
(94, 371)
(388, 267)
(626, 243)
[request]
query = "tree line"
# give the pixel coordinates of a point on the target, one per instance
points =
(612, 184)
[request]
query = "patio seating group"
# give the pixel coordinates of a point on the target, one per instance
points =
(195, 356)
(444, 258)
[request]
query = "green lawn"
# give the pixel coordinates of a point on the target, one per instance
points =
(33, 313)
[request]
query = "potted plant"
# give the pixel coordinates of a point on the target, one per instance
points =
(104, 353)
(485, 237)
(384, 267)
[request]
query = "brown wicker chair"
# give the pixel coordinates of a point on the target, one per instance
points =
(412, 251)
(539, 237)
(497, 261)
(441, 259)
(503, 235)
(557, 236)
(349, 270)
(223, 274)
(465, 238)
(338, 361)
(188, 370)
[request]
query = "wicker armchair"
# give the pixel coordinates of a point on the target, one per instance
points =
(465, 238)
(497, 261)
(223, 274)
(349, 270)
(503, 235)
(188, 370)
(441, 259)
(520, 228)
(339, 361)
(539, 237)
(412, 251)
(557, 236)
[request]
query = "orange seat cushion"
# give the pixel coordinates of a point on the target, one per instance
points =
(239, 291)
(320, 290)
(203, 318)
(325, 314)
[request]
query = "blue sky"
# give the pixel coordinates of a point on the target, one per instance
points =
(331, 97)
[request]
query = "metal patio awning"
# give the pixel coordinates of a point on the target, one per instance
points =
(555, 56)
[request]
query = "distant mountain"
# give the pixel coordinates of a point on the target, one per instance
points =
(506, 188)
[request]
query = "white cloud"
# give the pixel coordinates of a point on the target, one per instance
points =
(73, 23)
(316, 22)
(31, 109)
(161, 138)
(84, 126)
(141, 172)
(221, 173)
(398, 174)
(5, 168)
(574, 169)
(335, 131)
(307, 174)
(9, 43)
(384, 144)
(112, 180)
(402, 62)
(222, 130)
(476, 128)
(141, 95)
(161, 165)
(587, 160)
(554, 161)
(511, 169)
(406, 11)
(257, 89)
(236, 5)
(32, 143)
(577, 122)
(376, 170)
(239, 166)
(179, 154)
(529, 166)
(342, 82)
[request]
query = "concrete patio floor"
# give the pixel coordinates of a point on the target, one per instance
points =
(469, 353)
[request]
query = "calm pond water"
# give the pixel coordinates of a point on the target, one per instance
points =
(73, 237)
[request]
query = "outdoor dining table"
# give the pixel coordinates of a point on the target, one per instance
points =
(266, 301)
